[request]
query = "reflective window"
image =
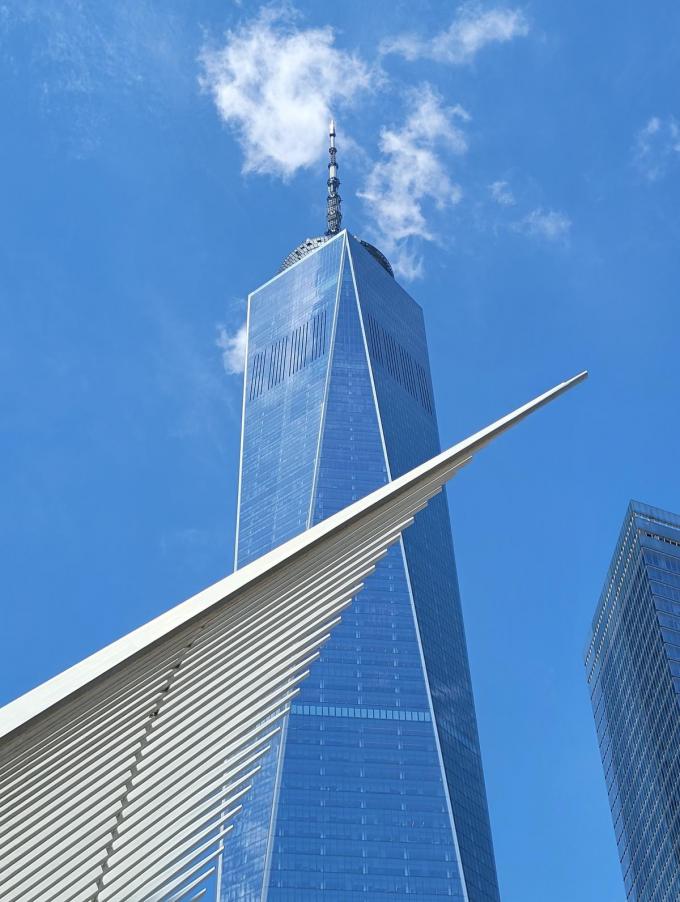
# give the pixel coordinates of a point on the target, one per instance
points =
(632, 666)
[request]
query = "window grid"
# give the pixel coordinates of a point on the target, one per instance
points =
(388, 352)
(288, 355)
(633, 663)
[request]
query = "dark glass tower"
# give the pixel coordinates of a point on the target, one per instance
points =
(633, 671)
(375, 789)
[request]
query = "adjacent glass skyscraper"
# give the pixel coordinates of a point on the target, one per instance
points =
(375, 787)
(633, 671)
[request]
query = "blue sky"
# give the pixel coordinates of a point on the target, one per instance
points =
(520, 166)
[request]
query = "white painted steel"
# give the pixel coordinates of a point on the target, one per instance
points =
(120, 778)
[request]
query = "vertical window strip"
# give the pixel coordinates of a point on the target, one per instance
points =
(412, 376)
(395, 360)
(298, 350)
(275, 378)
(315, 336)
(276, 358)
(257, 363)
(404, 358)
(295, 349)
(373, 342)
(286, 356)
(426, 390)
(393, 356)
(282, 364)
(388, 359)
(291, 356)
(393, 350)
(319, 330)
(257, 374)
(260, 377)
(388, 351)
(301, 350)
(305, 329)
(271, 364)
(252, 378)
(378, 342)
(298, 353)
(422, 385)
(401, 354)
(277, 365)
(369, 336)
(403, 368)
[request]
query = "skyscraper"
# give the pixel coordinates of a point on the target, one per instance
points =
(633, 671)
(375, 789)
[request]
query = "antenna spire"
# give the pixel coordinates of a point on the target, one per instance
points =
(333, 212)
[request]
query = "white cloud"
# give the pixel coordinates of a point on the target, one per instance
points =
(657, 145)
(407, 263)
(411, 174)
(547, 224)
(233, 346)
(501, 192)
(472, 29)
(277, 85)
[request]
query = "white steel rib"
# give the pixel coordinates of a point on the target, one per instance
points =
(121, 776)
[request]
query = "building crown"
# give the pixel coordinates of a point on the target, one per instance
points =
(333, 217)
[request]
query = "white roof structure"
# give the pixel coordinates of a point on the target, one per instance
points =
(120, 777)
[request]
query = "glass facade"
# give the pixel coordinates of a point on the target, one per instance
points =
(375, 788)
(633, 671)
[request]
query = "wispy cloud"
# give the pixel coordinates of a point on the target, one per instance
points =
(548, 224)
(657, 146)
(412, 175)
(276, 84)
(85, 60)
(233, 347)
(501, 193)
(472, 29)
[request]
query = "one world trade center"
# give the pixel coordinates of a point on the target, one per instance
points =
(375, 789)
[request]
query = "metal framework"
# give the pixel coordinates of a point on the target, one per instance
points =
(120, 778)
(333, 216)
(333, 201)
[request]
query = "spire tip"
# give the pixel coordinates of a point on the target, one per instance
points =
(333, 211)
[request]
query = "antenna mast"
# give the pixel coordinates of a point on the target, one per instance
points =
(333, 212)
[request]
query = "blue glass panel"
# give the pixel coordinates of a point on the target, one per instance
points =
(398, 348)
(633, 669)
(362, 810)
